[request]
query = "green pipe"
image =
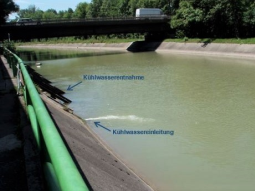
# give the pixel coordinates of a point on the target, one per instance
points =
(50, 176)
(67, 173)
(34, 124)
(25, 94)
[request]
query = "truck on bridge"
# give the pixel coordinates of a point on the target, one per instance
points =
(149, 13)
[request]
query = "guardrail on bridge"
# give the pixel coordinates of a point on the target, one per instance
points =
(84, 20)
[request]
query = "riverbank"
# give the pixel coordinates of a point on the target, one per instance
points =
(102, 39)
(98, 165)
(100, 168)
(189, 86)
(212, 49)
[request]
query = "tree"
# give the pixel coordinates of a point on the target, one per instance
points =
(133, 5)
(249, 21)
(124, 8)
(212, 18)
(7, 7)
(50, 14)
(174, 5)
(61, 14)
(81, 10)
(31, 12)
(68, 14)
(94, 8)
(109, 8)
(186, 18)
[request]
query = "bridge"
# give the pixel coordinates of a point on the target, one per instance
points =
(84, 27)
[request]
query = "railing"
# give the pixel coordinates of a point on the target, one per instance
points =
(59, 168)
(75, 20)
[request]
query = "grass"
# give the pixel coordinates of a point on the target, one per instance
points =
(79, 40)
(210, 40)
(104, 39)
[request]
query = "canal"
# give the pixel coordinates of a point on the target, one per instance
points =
(208, 102)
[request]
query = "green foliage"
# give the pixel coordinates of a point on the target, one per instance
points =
(186, 15)
(88, 39)
(189, 18)
(31, 12)
(50, 14)
(124, 8)
(81, 10)
(249, 20)
(220, 40)
(180, 33)
(215, 18)
(10, 45)
(98, 8)
(68, 14)
(185, 39)
(7, 7)
(95, 8)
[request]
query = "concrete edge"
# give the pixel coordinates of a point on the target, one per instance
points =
(211, 49)
(82, 46)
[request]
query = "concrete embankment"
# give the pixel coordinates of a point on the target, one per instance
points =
(214, 49)
(98, 165)
(81, 46)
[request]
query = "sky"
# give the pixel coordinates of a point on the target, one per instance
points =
(48, 4)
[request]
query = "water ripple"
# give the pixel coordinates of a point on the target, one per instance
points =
(128, 117)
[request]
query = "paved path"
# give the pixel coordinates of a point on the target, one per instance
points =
(12, 161)
(19, 160)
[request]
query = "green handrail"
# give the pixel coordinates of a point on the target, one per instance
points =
(66, 172)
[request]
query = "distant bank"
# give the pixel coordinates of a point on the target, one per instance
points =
(216, 49)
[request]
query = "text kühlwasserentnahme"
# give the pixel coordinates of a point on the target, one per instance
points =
(104, 77)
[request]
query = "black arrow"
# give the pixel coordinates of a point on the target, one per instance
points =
(97, 124)
(70, 88)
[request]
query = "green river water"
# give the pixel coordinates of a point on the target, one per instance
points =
(208, 102)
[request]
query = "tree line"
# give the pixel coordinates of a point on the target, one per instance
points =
(189, 18)
(215, 18)
(97, 8)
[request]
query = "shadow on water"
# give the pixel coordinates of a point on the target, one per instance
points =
(42, 55)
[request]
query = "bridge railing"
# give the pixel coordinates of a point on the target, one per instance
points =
(60, 171)
(75, 20)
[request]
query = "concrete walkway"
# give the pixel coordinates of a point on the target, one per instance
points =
(19, 161)
(12, 160)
